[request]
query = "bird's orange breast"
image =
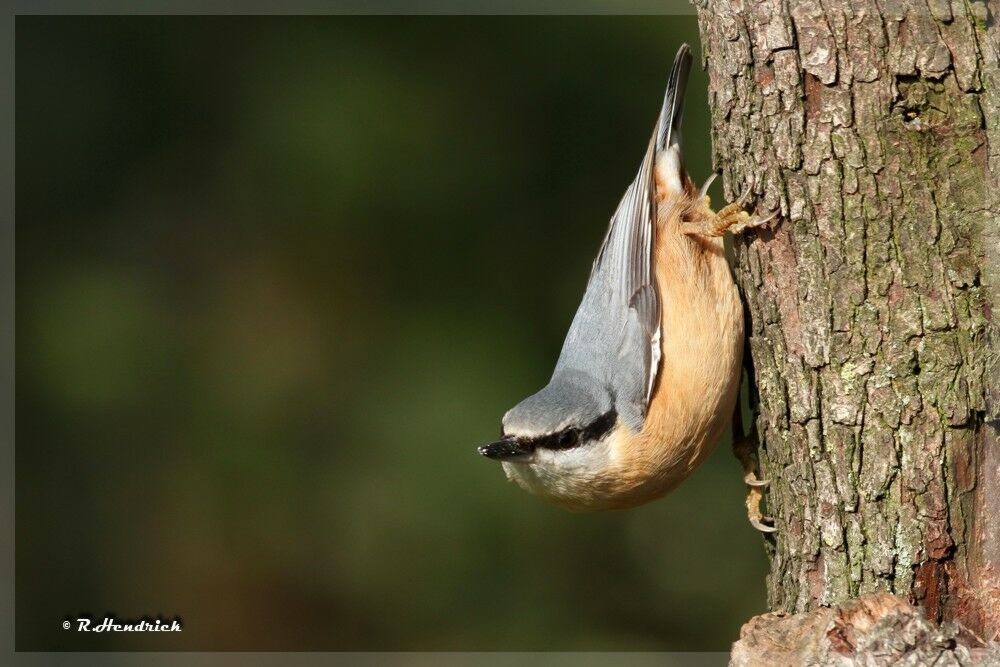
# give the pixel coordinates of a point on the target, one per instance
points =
(700, 368)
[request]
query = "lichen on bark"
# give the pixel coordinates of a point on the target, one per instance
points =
(874, 127)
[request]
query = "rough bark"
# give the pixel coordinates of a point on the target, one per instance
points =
(875, 629)
(874, 126)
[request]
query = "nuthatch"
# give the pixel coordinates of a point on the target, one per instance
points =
(649, 373)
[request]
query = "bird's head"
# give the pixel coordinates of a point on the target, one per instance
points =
(563, 443)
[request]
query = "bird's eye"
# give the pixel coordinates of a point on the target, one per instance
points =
(567, 439)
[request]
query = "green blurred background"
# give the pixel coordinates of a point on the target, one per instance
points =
(277, 278)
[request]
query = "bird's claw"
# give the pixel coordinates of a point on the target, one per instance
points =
(730, 218)
(745, 449)
(760, 222)
(742, 221)
(706, 185)
(758, 520)
(745, 196)
(763, 527)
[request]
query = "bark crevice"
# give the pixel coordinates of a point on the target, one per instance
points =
(874, 127)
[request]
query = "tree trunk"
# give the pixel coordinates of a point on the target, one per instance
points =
(874, 126)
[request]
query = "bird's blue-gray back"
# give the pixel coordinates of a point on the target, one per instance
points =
(611, 354)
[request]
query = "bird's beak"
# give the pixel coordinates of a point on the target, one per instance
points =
(508, 449)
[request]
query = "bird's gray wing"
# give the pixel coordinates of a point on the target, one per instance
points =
(626, 261)
(615, 336)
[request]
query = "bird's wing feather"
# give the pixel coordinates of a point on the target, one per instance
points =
(615, 335)
(626, 257)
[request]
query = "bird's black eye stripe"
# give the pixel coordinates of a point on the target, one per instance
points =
(600, 426)
(573, 437)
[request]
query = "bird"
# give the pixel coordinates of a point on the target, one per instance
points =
(648, 377)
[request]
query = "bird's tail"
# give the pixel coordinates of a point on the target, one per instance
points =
(668, 127)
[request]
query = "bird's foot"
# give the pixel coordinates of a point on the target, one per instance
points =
(762, 523)
(703, 221)
(744, 448)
